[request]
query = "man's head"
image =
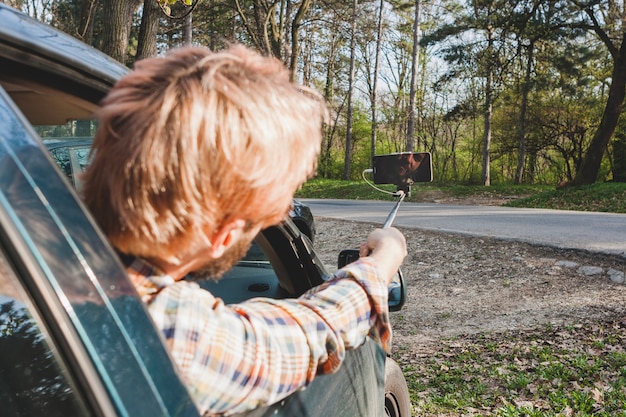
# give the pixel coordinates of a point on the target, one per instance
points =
(197, 141)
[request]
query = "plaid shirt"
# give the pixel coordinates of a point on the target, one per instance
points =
(237, 357)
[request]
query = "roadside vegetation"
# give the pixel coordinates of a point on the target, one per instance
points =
(601, 197)
(577, 370)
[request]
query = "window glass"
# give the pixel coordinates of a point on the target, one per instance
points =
(33, 381)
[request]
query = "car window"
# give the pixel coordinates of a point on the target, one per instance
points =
(33, 379)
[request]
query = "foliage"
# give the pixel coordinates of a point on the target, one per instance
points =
(166, 5)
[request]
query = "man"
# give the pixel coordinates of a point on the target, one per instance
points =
(195, 154)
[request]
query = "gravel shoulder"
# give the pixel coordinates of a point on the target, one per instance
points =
(461, 286)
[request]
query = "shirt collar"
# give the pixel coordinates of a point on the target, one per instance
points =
(147, 278)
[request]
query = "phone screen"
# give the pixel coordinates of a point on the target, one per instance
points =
(403, 168)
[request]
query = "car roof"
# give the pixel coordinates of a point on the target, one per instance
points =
(43, 41)
(52, 76)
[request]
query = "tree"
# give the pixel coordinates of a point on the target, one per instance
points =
(606, 20)
(147, 40)
(118, 16)
(619, 159)
(410, 144)
(348, 156)
(274, 26)
(485, 25)
(87, 20)
(374, 83)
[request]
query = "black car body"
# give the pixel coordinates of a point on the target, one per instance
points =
(75, 339)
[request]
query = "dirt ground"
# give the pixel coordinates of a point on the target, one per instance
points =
(461, 286)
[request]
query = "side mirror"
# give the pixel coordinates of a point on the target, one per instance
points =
(397, 292)
(397, 288)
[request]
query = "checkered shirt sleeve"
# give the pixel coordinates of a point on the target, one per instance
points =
(237, 357)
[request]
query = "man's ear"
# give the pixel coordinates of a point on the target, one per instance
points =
(225, 236)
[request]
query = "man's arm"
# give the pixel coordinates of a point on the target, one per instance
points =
(235, 358)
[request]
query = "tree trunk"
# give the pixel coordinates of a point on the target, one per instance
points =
(188, 30)
(619, 159)
(410, 142)
(87, 17)
(348, 157)
(116, 32)
(588, 171)
(295, 36)
(486, 168)
(325, 160)
(521, 155)
(486, 174)
(374, 96)
(146, 44)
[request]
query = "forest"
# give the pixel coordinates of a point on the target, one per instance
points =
(501, 91)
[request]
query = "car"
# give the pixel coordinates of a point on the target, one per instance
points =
(72, 156)
(75, 338)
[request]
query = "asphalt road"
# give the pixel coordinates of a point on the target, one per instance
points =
(595, 232)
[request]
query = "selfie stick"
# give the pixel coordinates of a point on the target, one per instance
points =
(402, 192)
(392, 216)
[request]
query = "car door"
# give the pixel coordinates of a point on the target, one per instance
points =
(64, 281)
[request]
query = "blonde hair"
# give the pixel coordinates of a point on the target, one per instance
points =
(194, 139)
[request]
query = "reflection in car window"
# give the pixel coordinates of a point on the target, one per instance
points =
(33, 381)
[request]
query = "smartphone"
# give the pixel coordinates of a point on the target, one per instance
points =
(403, 168)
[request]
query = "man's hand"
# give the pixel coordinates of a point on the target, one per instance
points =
(388, 248)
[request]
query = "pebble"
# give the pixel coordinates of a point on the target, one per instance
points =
(616, 276)
(590, 271)
(567, 264)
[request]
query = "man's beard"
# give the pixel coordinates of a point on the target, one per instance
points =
(219, 266)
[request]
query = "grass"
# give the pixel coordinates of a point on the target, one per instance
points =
(605, 197)
(571, 371)
(600, 197)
